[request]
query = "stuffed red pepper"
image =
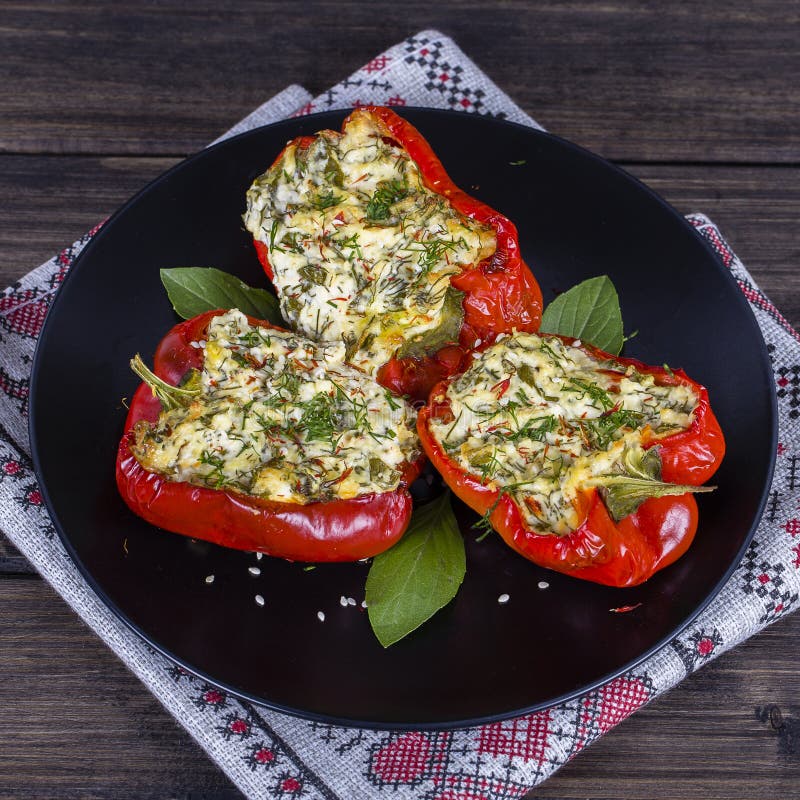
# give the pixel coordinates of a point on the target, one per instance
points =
(583, 462)
(369, 242)
(254, 438)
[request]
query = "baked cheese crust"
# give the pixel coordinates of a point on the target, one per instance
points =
(361, 250)
(280, 418)
(540, 419)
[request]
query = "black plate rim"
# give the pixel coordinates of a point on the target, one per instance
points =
(458, 724)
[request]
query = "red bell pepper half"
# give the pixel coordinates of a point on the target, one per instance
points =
(614, 553)
(501, 293)
(336, 530)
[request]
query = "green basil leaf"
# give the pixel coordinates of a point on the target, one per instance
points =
(411, 581)
(589, 312)
(641, 480)
(193, 290)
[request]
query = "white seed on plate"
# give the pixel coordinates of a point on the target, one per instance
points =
(254, 570)
(351, 601)
(259, 556)
(504, 598)
(363, 604)
(209, 579)
(543, 584)
(576, 343)
(321, 616)
(343, 601)
(259, 600)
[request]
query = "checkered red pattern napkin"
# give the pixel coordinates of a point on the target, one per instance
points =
(270, 755)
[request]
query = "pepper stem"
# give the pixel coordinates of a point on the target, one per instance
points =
(624, 493)
(171, 397)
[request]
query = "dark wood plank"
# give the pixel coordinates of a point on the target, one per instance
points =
(81, 725)
(756, 208)
(678, 81)
(50, 201)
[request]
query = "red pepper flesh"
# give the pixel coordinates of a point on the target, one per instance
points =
(335, 530)
(624, 553)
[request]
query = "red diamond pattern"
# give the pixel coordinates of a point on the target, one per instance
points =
(524, 737)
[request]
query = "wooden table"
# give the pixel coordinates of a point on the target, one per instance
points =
(98, 98)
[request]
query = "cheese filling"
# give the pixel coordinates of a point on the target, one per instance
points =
(280, 418)
(539, 420)
(362, 252)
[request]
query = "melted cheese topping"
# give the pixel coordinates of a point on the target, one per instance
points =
(539, 419)
(281, 418)
(362, 252)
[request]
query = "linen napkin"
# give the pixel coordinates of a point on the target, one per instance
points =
(271, 755)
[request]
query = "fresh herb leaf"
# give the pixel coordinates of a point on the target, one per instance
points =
(535, 428)
(388, 192)
(333, 172)
(326, 200)
(592, 391)
(193, 290)
(432, 251)
(589, 312)
(624, 493)
(317, 418)
(170, 396)
(411, 581)
(445, 332)
(602, 430)
(314, 273)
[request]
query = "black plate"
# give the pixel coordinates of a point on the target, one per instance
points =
(477, 660)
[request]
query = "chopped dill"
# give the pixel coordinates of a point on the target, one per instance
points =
(385, 196)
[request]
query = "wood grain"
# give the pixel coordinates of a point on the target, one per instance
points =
(75, 722)
(701, 101)
(166, 78)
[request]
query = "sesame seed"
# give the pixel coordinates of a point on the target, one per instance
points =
(209, 579)
(194, 344)
(259, 556)
(576, 343)
(504, 598)
(321, 616)
(478, 342)
(259, 600)
(254, 570)
(343, 601)
(543, 584)
(351, 601)
(363, 604)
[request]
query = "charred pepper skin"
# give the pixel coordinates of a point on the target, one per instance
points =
(336, 530)
(501, 293)
(624, 553)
